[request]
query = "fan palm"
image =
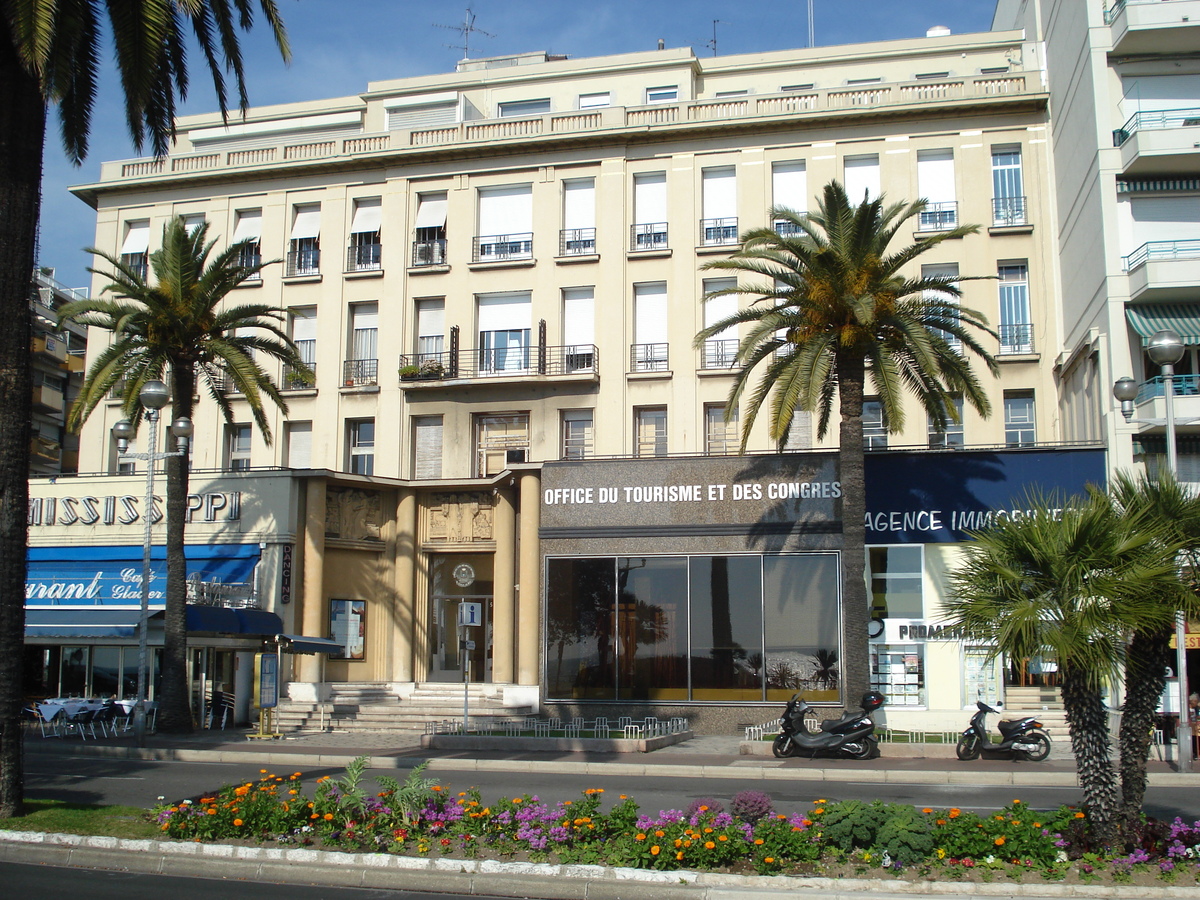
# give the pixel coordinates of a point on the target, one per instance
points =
(1067, 583)
(50, 52)
(831, 311)
(178, 330)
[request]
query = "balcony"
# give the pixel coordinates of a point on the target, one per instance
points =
(649, 358)
(577, 242)
(938, 216)
(360, 373)
(428, 253)
(520, 364)
(1152, 405)
(502, 247)
(1164, 270)
(47, 398)
(1160, 142)
(1016, 339)
(1008, 212)
(1154, 27)
(648, 236)
(297, 379)
(718, 232)
(719, 354)
(51, 346)
(364, 256)
(43, 450)
(303, 263)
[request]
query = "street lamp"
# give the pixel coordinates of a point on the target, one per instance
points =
(153, 397)
(1165, 348)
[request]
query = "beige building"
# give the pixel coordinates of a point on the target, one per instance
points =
(58, 357)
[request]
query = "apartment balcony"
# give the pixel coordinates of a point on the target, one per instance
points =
(1151, 402)
(44, 451)
(938, 216)
(47, 398)
(1164, 270)
(364, 256)
(488, 248)
(1016, 339)
(297, 379)
(507, 365)
(360, 373)
(303, 263)
(1160, 142)
(648, 236)
(648, 358)
(1009, 212)
(428, 253)
(718, 232)
(717, 355)
(50, 346)
(577, 242)
(76, 362)
(1154, 27)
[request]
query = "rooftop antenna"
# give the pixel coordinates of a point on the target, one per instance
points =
(811, 40)
(466, 29)
(713, 42)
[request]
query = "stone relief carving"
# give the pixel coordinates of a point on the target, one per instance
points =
(352, 514)
(460, 517)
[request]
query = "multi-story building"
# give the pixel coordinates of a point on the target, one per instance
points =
(497, 275)
(58, 357)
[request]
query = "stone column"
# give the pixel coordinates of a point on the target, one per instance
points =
(312, 610)
(529, 577)
(404, 621)
(503, 589)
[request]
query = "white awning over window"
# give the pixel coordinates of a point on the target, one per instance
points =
(506, 210)
(935, 175)
(431, 210)
(307, 222)
(579, 203)
(720, 193)
(368, 214)
(137, 237)
(504, 312)
(248, 226)
(579, 316)
(649, 198)
(650, 313)
(789, 185)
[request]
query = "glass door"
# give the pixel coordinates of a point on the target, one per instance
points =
(455, 579)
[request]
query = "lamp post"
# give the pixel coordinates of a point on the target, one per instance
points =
(153, 397)
(1165, 348)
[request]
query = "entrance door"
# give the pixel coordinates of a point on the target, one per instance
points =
(446, 654)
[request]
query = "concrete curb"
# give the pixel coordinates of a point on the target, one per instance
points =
(498, 879)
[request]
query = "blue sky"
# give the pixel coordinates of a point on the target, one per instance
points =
(338, 46)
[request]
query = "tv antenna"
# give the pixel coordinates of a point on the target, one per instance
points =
(713, 43)
(466, 29)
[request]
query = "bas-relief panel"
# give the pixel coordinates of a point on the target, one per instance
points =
(456, 518)
(352, 514)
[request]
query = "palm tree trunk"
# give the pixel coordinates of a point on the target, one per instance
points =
(1087, 721)
(1145, 677)
(175, 711)
(22, 132)
(855, 609)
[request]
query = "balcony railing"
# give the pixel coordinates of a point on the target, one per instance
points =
(718, 232)
(501, 247)
(303, 262)
(360, 372)
(578, 359)
(648, 357)
(364, 257)
(1162, 250)
(296, 379)
(1016, 338)
(1184, 385)
(1009, 211)
(1155, 119)
(719, 354)
(428, 253)
(648, 236)
(784, 228)
(939, 216)
(577, 242)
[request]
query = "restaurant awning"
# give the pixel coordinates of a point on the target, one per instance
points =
(298, 643)
(222, 620)
(76, 622)
(1182, 318)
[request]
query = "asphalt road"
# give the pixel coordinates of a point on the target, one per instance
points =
(87, 779)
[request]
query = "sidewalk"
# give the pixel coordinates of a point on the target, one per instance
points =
(702, 756)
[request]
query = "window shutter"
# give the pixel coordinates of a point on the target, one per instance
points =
(137, 238)
(427, 447)
(650, 313)
(579, 318)
(722, 307)
(935, 175)
(862, 175)
(579, 203)
(429, 115)
(299, 445)
(431, 318)
(719, 189)
(649, 197)
(504, 312)
(789, 185)
(1164, 219)
(506, 210)
(304, 325)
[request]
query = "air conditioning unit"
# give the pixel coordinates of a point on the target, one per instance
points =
(515, 456)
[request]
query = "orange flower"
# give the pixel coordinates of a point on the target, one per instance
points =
(999, 842)
(1016, 802)
(660, 834)
(709, 845)
(955, 813)
(678, 843)
(708, 831)
(927, 810)
(328, 817)
(262, 771)
(769, 859)
(941, 821)
(1079, 815)
(758, 842)
(516, 799)
(237, 822)
(678, 855)
(722, 838)
(624, 797)
(655, 850)
(1037, 824)
(212, 811)
(640, 837)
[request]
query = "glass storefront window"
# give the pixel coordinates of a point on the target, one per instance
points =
(894, 577)
(726, 627)
(579, 628)
(106, 672)
(652, 628)
(898, 672)
(73, 680)
(801, 626)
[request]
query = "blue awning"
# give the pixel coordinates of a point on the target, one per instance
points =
(298, 643)
(91, 622)
(222, 620)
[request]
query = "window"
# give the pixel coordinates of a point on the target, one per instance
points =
(247, 228)
(894, 575)
(649, 352)
(304, 249)
(650, 426)
(579, 329)
(593, 101)
(126, 466)
(1020, 429)
(423, 112)
(799, 434)
(952, 435)
(875, 430)
(720, 437)
(576, 433)
(862, 178)
(721, 94)
(348, 626)
(427, 447)
(304, 336)
(431, 329)
(504, 326)
(360, 435)
(500, 441)
(524, 108)
(789, 188)
(362, 363)
(948, 302)
(935, 184)
(505, 223)
(578, 235)
(720, 350)
(237, 448)
(1016, 327)
(662, 94)
(365, 252)
(796, 87)
(429, 247)
(1008, 187)
(297, 445)
(649, 211)
(719, 224)
(135, 248)
(193, 222)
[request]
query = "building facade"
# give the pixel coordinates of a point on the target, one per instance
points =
(58, 358)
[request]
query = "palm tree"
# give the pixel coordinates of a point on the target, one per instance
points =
(50, 52)
(833, 310)
(1162, 504)
(1067, 583)
(179, 331)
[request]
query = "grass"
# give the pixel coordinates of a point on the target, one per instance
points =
(79, 818)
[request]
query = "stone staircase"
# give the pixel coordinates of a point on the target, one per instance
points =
(368, 706)
(1043, 702)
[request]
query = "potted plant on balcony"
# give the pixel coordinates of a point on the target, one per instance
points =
(409, 373)
(431, 368)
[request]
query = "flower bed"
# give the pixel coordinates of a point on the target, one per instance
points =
(421, 817)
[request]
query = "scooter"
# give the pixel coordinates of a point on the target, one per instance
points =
(850, 737)
(1019, 738)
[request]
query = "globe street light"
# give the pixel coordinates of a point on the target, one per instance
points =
(1165, 348)
(153, 397)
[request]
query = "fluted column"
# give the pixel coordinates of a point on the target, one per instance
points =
(404, 622)
(503, 590)
(312, 613)
(529, 578)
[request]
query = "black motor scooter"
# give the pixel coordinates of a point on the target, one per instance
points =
(1019, 738)
(850, 737)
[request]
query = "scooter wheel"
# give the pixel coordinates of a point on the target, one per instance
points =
(968, 747)
(1042, 745)
(867, 748)
(781, 746)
